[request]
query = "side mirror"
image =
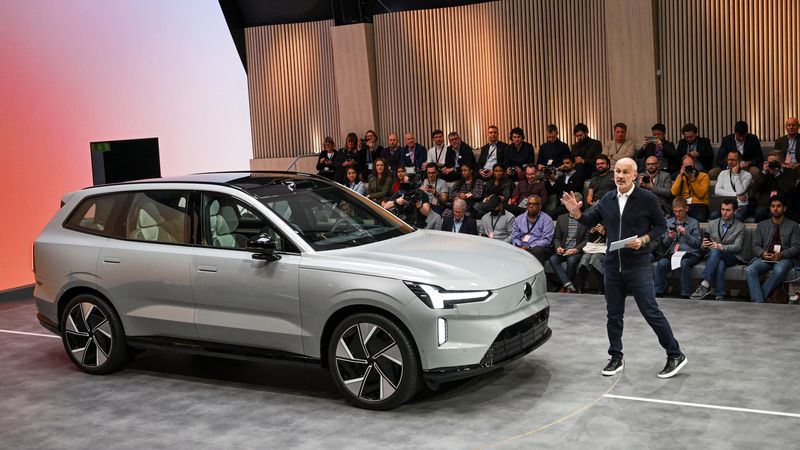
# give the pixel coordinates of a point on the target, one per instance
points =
(262, 246)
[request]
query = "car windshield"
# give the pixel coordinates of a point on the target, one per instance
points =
(329, 216)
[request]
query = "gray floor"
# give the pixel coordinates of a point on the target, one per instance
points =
(740, 355)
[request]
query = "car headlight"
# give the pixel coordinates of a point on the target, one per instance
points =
(438, 298)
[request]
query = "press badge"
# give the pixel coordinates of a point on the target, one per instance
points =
(526, 238)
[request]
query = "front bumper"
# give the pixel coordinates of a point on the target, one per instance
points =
(511, 343)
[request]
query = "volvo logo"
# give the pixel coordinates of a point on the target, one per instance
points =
(528, 291)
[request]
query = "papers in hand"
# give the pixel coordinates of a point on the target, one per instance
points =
(675, 261)
(616, 245)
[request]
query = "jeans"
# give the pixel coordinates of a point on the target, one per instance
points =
(639, 279)
(541, 253)
(572, 265)
(716, 263)
(698, 212)
(664, 266)
(759, 267)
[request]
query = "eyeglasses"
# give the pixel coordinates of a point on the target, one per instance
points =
(651, 164)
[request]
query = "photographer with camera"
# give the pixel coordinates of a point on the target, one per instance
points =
(657, 145)
(570, 180)
(411, 205)
(773, 181)
(658, 182)
(693, 186)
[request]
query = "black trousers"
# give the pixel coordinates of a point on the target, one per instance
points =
(639, 279)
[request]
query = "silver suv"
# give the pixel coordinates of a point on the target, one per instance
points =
(282, 265)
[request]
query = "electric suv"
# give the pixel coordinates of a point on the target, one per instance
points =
(282, 265)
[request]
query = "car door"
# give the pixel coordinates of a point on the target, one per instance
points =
(145, 269)
(241, 300)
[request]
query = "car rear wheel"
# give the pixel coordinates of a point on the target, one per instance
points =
(373, 362)
(93, 336)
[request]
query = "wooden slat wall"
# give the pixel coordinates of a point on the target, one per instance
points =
(510, 63)
(729, 60)
(293, 103)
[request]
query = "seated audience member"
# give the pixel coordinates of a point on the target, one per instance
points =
(498, 224)
(438, 152)
(584, 151)
(619, 147)
(789, 144)
(458, 154)
(326, 157)
(400, 177)
(533, 184)
(414, 156)
(570, 180)
(411, 205)
(353, 181)
(498, 186)
(658, 182)
(683, 235)
(746, 144)
(697, 147)
(602, 182)
(369, 153)
(657, 145)
(519, 155)
(568, 240)
(594, 254)
(436, 188)
(725, 246)
(553, 151)
(345, 158)
(735, 182)
(493, 153)
(692, 186)
(380, 183)
(392, 153)
(777, 246)
(533, 230)
(773, 181)
(468, 188)
(459, 222)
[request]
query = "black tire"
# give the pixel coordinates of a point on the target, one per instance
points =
(371, 348)
(92, 334)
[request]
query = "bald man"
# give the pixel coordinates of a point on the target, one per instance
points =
(392, 153)
(789, 144)
(415, 157)
(629, 212)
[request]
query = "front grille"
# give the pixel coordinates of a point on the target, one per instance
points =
(516, 338)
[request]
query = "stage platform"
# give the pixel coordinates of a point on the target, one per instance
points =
(739, 390)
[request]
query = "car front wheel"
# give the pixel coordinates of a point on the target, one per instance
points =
(93, 335)
(373, 362)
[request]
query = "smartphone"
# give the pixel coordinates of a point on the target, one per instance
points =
(706, 235)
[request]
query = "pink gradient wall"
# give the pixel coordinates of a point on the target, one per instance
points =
(73, 71)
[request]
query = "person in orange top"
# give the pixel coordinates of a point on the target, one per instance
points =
(693, 186)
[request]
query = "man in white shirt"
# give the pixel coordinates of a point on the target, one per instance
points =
(437, 153)
(436, 188)
(735, 182)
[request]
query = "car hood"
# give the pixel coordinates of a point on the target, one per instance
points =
(448, 260)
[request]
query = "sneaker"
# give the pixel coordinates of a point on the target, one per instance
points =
(701, 293)
(613, 367)
(570, 289)
(719, 298)
(674, 365)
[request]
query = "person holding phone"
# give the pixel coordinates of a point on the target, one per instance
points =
(683, 235)
(724, 245)
(326, 156)
(777, 244)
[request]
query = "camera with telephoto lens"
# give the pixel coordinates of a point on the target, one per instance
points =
(646, 179)
(548, 170)
(690, 169)
(409, 193)
(774, 165)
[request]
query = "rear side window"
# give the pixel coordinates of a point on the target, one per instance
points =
(98, 215)
(157, 216)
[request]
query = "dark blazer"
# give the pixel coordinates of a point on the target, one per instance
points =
(521, 158)
(465, 156)
(790, 238)
(341, 156)
(641, 216)
(321, 168)
(752, 150)
(783, 184)
(562, 228)
(501, 153)
(366, 157)
(575, 184)
(468, 227)
(420, 157)
(782, 144)
(669, 152)
(703, 147)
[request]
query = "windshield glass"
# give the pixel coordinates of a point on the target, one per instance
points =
(330, 217)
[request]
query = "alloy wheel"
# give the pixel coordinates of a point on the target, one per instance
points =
(369, 362)
(88, 334)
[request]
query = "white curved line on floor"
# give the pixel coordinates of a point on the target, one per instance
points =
(30, 334)
(703, 405)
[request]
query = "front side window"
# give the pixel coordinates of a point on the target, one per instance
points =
(158, 216)
(98, 214)
(230, 223)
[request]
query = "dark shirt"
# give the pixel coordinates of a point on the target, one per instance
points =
(323, 170)
(519, 157)
(393, 158)
(702, 146)
(601, 184)
(524, 189)
(409, 212)
(667, 155)
(342, 156)
(588, 149)
(555, 151)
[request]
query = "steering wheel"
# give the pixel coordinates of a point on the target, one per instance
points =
(342, 225)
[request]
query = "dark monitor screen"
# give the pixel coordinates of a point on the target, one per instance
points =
(125, 160)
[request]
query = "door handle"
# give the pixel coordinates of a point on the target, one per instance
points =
(209, 269)
(111, 260)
